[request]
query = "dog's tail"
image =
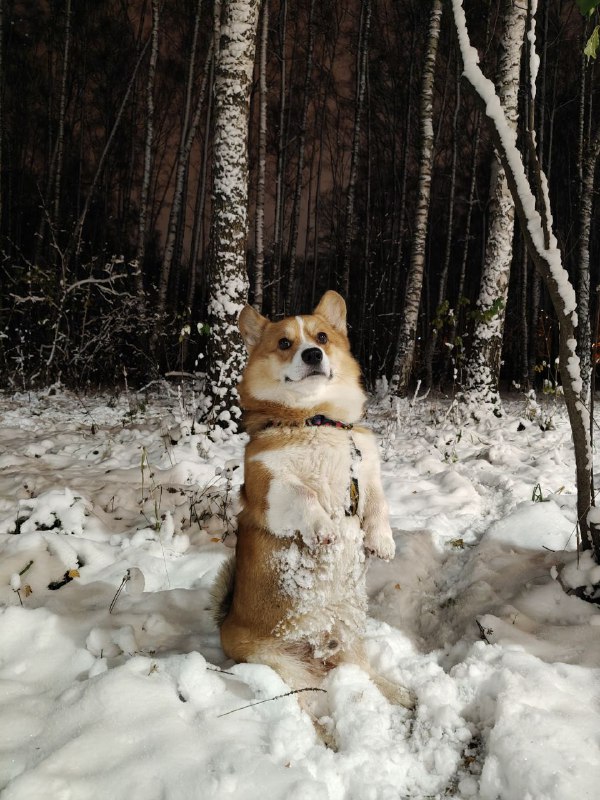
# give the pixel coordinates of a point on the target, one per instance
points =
(221, 592)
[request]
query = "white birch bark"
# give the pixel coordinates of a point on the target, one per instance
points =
(588, 171)
(403, 363)
(229, 281)
(480, 391)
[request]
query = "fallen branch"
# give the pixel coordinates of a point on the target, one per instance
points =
(268, 699)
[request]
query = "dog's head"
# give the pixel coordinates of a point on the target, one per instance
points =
(302, 363)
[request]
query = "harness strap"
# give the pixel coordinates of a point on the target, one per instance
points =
(353, 490)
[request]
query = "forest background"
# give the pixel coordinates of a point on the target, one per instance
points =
(106, 153)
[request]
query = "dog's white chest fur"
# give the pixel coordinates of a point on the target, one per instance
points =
(322, 571)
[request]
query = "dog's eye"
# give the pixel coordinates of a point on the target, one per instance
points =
(322, 338)
(284, 344)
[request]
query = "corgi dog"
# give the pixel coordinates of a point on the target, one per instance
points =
(313, 508)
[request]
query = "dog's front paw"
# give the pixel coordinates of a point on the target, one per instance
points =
(319, 530)
(379, 541)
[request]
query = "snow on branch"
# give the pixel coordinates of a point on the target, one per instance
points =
(534, 59)
(543, 240)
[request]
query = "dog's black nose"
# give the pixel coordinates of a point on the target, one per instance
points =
(312, 355)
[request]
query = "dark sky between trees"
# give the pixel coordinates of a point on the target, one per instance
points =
(76, 78)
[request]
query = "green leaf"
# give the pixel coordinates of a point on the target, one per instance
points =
(587, 6)
(591, 48)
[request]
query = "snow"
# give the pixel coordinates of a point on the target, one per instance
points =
(534, 59)
(114, 683)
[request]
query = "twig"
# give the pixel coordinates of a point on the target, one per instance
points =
(483, 632)
(126, 577)
(268, 699)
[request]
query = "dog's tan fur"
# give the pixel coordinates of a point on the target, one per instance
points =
(299, 600)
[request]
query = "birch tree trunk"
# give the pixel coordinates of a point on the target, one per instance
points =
(403, 363)
(361, 79)
(148, 146)
(229, 281)
(543, 249)
(453, 351)
(480, 391)
(431, 344)
(586, 199)
(259, 241)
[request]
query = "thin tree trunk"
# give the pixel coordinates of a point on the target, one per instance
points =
(295, 219)
(148, 146)
(586, 167)
(279, 211)
(185, 144)
(403, 363)
(583, 296)
(74, 244)
(432, 342)
(60, 139)
(50, 209)
(317, 214)
(481, 395)
(401, 231)
(543, 249)
(534, 300)
(229, 281)
(367, 353)
(1, 107)
(259, 244)
(198, 232)
(457, 318)
(361, 76)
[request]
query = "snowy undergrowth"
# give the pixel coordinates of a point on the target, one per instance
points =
(470, 615)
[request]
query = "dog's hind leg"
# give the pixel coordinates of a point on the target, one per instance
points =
(299, 675)
(395, 694)
(296, 672)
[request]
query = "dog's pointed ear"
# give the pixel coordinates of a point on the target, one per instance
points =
(251, 325)
(332, 306)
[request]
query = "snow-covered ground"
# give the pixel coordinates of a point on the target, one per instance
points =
(132, 703)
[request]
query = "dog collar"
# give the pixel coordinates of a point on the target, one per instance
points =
(318, 421)
(321, 420)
